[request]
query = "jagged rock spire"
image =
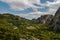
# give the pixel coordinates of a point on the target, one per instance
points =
(58, 12)
(56, 20)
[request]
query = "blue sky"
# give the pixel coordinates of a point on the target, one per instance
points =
(29, 9)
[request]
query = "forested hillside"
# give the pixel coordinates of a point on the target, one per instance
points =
(13, 27)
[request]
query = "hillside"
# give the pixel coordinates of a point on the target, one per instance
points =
(13, 27)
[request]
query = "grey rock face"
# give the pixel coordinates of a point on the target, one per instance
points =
(45, 19)
(56, 21)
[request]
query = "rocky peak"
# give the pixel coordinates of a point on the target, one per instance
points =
(45, 19)
(56, 20)
(58, 12)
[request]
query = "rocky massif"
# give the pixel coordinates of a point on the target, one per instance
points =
(54, 21)
(45, 19)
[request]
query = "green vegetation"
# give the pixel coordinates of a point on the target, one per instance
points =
(18, 28)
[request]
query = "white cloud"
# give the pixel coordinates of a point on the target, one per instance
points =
(23, 4)
(36, 14)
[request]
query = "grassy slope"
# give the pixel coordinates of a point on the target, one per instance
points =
(13, 28)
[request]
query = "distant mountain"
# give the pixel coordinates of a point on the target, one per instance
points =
(54, 21)
(45, 19)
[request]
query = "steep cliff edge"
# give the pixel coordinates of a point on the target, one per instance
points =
(56, 20)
